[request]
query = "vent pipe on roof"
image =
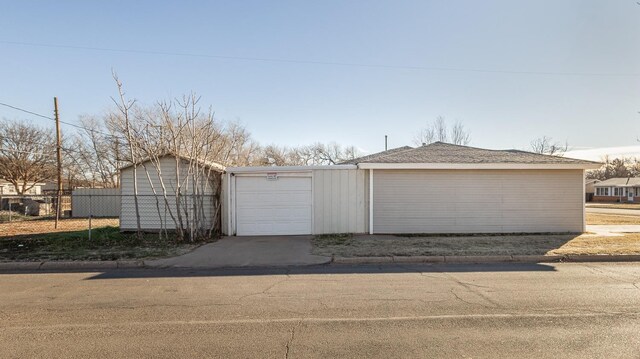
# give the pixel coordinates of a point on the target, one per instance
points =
(385, 142)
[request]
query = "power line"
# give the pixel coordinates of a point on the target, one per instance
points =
(27, 111)
(314, 62)
(63, 122)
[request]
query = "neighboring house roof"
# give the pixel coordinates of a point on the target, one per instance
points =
(204, 163)
(440, 152)
(620, 182)
(591, 181)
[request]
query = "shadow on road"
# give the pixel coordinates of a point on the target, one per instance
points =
(306, 270)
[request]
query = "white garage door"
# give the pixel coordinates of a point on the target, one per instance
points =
(273, 207)
(477, 201)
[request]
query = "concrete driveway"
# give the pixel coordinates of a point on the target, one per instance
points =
(611, 230)
(263, 251)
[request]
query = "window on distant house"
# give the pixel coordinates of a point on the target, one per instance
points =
(602, 191)
(617, 191)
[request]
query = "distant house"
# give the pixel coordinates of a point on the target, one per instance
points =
(8, 189)
(618, 190)
(590, 188)
(29, 203)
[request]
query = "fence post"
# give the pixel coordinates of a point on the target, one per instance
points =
(9, 209)
(90, 215)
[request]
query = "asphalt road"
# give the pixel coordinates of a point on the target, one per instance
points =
(626, 212)
(476, 311)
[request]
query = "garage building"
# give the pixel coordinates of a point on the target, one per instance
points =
(436, 188)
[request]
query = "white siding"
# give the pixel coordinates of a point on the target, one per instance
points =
(477, 201)
(155, 214)
(97, 202)
(340, 201)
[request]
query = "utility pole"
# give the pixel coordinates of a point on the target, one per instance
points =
(59, 158)
(385, 142)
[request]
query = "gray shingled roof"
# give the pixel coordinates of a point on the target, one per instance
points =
(619, 181)
(375, 155)
(440, 152)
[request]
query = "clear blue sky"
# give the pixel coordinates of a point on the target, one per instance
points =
(298, 103)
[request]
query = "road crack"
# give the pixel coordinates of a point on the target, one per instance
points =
(265, 290)
(291, 338)
(478, 292)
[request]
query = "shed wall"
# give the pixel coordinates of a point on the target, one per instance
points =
(155, 212)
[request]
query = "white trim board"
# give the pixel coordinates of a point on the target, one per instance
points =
(370, 201)
(477, 166)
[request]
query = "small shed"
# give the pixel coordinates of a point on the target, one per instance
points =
(173, 192)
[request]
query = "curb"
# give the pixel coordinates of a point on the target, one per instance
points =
(132, 264)
(488, 259)
(70, 265)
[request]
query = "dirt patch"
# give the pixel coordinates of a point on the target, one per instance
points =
(598, 218)
(20, 228)
(388, 245)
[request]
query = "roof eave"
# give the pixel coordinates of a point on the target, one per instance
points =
(214, 165)
(288, 168)
(485, 166)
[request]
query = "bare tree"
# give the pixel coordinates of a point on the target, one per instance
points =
(546, 146)
(459, 135)
(314, 154)
(124, 107)
(617, 167)
(94, 153)
(26, 155)
(277, 156)
(186, 193)
(440, 131)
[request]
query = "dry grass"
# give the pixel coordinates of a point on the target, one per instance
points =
(556, 244)
(11, 229)
(389, 245)
(615, 205)
(598, 218)
(585, 244)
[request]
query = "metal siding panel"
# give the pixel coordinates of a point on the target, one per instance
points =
(352, 226)
(318, 201)
(450, 201)
(360, 204)
(326, 207)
